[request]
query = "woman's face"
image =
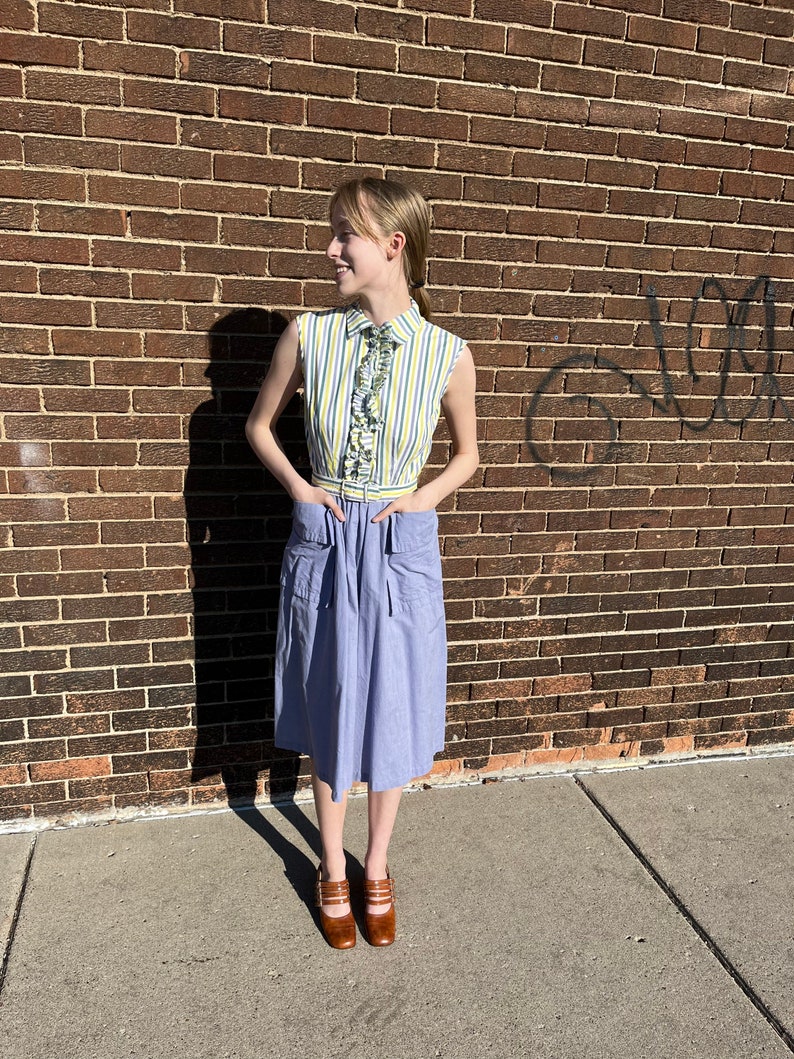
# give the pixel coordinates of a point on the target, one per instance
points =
(361, 264)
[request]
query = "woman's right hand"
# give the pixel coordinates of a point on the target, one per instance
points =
(315, 494)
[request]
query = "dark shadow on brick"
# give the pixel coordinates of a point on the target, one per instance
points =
(238, 523)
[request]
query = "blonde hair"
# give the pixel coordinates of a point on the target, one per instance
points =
(377, 208)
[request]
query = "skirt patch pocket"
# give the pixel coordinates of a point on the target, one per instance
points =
(313, 580)
(414, 563)
(309, 558)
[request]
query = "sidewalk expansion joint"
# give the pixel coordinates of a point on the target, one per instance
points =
(735, 974)
(17, 911)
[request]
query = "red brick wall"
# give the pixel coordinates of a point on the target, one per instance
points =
(613, 193)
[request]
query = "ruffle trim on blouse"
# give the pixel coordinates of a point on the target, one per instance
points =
(365, 405)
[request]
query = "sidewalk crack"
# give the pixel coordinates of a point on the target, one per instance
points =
(15, 917)
(734, 972)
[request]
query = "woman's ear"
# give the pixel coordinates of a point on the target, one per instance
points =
(395, 244)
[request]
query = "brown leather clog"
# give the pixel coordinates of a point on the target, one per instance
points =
(339, 931)
(380, 928)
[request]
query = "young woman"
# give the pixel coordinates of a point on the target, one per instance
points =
(361, 649)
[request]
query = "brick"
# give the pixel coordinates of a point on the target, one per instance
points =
(315, 14)
(651, 148)
(767, 133)
(234, 9)
(355, 52)
(576, 81)
(38, 49)
(491, 189)
(409, 91)
(224, 69)
(41, 117)
(183, 32)
(266, 41)
(178, 227)
(87, 219)
(11, 84)
(474, 159)
(385, 152)
(772, 161)
(418, 123)
(778, 52)
(528, 12)
(591, 141)
(662, 31)
(572, 197)
(78, 88)
(17, 14)
(132, 191)
(622, 115)
(129, 125)
(128, 58)
(767, 21)
(255, 106)
(500, 131)
(468, 35)
(394, 25)
(688, 123)
(503, 70)
(478, 100)
(696, 181)
(575, 18)
(714, 12)
(620, 173)
(679, 65)
(755, 75)
(612, 55)
(231, 199)
(80, 20)
(447, 7)
(553, 47)
(298, 77)
(80, 154)
(160, 95)
(722, 100)
(351, 116)
(727, 42)
(552, 109)
(435, 62)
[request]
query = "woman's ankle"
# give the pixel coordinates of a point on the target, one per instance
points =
(375, 866)
(334, 868)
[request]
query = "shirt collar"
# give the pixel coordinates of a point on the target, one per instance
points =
(404, 326)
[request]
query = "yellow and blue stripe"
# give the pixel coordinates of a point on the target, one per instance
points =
(332, 345)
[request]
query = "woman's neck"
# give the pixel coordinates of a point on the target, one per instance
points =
(382, 306)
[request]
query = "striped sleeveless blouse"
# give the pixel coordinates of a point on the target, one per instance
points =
(372, 397)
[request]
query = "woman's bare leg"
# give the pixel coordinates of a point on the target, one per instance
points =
(331, 822)
(382, 809)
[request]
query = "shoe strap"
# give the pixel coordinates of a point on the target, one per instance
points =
(332, 893)
(379, 891)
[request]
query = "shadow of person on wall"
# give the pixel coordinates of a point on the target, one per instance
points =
(239, 519)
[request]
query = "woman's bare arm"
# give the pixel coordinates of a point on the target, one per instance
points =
(280, 385)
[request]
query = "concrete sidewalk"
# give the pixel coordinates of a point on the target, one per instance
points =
(628, 913)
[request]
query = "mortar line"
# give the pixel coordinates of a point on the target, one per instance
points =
(17, 911)
(733, 971)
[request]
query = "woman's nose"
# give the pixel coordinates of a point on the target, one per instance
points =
(333, 248)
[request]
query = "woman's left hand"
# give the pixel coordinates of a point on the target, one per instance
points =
(420, 500)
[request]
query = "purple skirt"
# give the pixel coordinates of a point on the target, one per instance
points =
(361, 655)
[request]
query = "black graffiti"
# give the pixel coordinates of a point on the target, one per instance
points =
(734, 358)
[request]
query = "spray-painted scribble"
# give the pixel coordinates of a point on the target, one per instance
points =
(757, 367)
